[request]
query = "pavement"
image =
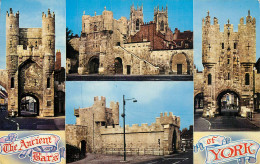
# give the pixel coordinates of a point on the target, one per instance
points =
(31, 123)
(224, 123)
(96, 77)
(180, 158)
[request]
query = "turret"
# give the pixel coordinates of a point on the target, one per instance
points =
(108, 19)
(12, 40)
(247, 37)
(100, 109)
(48, 40)
(210, 45)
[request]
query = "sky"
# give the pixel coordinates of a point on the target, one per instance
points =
(152, 99)
(223, 10)
(31, 16)
(180, 12)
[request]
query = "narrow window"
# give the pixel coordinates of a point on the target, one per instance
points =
(228, 60)
(137, 24)
(223, 46)
(95, 28)
(209, 79)
(12, 82)
(48, 82)
(247, 79)
(228, 76)
(235, 45)
(162, 26)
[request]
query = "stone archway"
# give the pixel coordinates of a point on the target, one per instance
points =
(180, 63)
(28, 105)
(30, 83)
(174, 141)
(118, 66)
(93, 65)
(198, 103)
(228, 103)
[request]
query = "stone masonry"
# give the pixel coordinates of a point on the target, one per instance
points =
(228, 59)
(98, 126)
(30, 64)
(131, 47)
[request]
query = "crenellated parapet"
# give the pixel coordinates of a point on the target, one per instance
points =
(158, 126)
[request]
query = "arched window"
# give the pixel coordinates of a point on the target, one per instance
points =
(247, 81)
(48, 82)
(12, 82)
(162, 26)
(137, 24)
(95, 28)
(209, 79)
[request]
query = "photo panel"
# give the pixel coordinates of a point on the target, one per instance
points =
(129, 40)
(226, 82)
(158, 121)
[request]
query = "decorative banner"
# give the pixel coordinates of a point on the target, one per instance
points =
(220, 149)
(41, 148)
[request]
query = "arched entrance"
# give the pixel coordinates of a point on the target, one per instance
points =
(83, 146)
(198, 103)
(228, 103)
(29, 106)
(93, 65)
(118, 66)
(180, 64)
(174, 141)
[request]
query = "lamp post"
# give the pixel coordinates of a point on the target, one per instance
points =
(123, 115)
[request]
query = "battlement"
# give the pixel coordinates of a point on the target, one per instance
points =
(157, 10)
(207, 21)
(30, 51)
(138, 8)
(169, 119)
(161, 121)
(49, 15)
(12, 14)
(101, 98)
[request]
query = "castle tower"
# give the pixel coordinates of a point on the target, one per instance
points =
(161, 19)
(99, 107)
(12, 40)
(136, 19)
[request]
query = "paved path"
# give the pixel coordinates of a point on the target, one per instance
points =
(181, 158)
(30, 123)
(223, 123)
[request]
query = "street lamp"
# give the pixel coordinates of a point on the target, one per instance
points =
(123, 115)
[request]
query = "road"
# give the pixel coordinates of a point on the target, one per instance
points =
(76, 77)
(30, 123)
(223, 123)
(181, 158)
